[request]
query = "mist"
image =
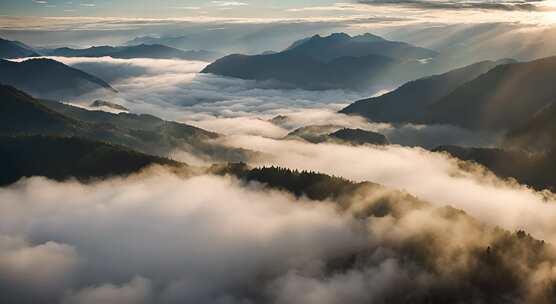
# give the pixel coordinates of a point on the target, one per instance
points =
(174, 90)
(159, 238)
(435, 177)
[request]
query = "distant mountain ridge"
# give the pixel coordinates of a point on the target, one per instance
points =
(343, 45)
(50, 79)
(338, 61)
(153, 51)
(15, 49)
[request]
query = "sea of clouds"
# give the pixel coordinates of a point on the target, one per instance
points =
(175, 90)
(159, 238)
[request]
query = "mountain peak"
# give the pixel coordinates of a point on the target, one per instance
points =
(368, 37)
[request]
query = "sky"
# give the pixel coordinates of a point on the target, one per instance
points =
(536, 11)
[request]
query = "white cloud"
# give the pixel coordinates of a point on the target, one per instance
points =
(228, 3)
(431, 176)
(187, 240)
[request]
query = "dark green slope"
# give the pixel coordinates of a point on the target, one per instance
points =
(407, 103)
(62, 158)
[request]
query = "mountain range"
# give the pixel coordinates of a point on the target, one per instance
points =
(503, 98)
(154, 51)
(500, 99)
(51, 79)
(412, 99)
(338, 61)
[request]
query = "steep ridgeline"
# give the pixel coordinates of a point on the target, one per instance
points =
(15, 49)
(24, 115)
(503, 99)
(333, 62)
(60, 158)
(154, 51)
(46, 78)
(410, 101)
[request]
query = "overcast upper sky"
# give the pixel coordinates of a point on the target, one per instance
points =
(520, 10)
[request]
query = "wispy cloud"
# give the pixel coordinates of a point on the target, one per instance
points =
(228, 3)
(512, 5)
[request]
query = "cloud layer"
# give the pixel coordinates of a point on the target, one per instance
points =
(160, 238)
(431, 176)
(174, 90)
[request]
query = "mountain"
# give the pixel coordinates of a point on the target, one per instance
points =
(23, 115)
(317, 186)
(48, 78)
(289, 69)
(360, 137)
(311, 133)
(504, 98)
(155, 51)
(538, 134)
(343, 45)
(337, 134)
(15, 49)
(537, 170)
(406, 103)
(62, 158)
(334, 62)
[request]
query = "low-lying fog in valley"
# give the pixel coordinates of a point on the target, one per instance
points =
(175, 90)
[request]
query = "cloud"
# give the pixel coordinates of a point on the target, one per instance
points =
(137, 291)
(521, 5)
(228, 3)
(174, 90)
(195, 240)
(42, 267)
(431, 176)
(159, 238)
